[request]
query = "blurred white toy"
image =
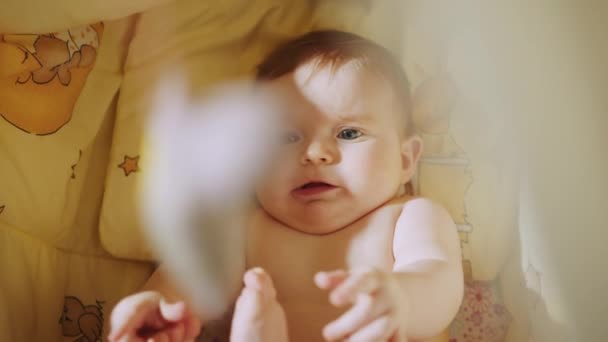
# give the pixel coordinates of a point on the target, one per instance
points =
(203, 157)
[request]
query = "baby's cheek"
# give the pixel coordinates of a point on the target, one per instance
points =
(374, 163)
(272, 184)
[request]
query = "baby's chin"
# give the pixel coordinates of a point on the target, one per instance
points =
(316, 219)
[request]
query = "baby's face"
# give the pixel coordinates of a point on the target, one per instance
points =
(341, 154)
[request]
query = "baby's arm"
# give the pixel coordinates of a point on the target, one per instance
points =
(428, 267)
(158, 312)
(421, 295)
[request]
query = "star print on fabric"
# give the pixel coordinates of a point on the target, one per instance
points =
(129, 165)
(1, 208)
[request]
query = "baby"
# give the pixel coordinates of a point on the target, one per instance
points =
(336, 249)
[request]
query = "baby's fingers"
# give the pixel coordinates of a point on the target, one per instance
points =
(174, 333)
(159, 337)
(131, 313)
(381, 329)
(173, 312)
(366, 309)
(365, 282)
(331, 279)
(187, 329)
(192, 327)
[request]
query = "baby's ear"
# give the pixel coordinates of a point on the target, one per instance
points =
(411, 150)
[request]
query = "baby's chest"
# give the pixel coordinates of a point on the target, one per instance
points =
(292, 258)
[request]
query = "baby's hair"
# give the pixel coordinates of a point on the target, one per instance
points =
(334, 49)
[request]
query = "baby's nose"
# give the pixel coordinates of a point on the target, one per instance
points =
(318, 153)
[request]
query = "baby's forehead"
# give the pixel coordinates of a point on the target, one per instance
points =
(343, 85)
(351, 75)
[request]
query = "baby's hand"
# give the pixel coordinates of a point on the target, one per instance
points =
(146, 317)
(379, 306)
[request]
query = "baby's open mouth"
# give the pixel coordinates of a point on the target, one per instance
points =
(315, 185)
(313, 188)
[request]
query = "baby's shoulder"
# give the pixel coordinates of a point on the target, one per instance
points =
(420, 212)
(410, 201)
(417, 205)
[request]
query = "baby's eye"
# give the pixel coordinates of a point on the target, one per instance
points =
(349, 134)
(290, 137)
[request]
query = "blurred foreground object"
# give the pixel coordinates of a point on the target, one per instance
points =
(194, 213)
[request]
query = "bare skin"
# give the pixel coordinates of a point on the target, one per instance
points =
(307, 295)
(297, 257)
(258, 316)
